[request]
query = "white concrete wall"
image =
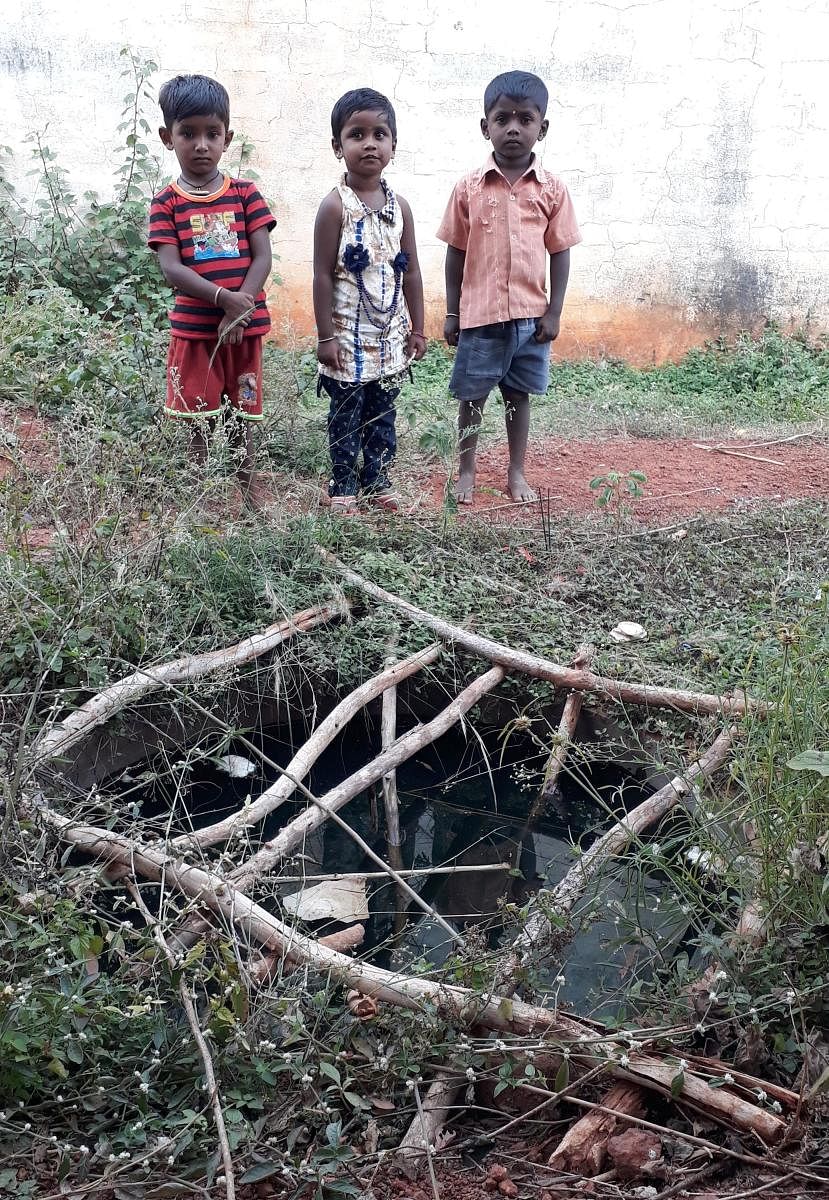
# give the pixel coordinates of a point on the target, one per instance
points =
(692, 133)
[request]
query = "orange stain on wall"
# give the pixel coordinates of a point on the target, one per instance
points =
(590, 329)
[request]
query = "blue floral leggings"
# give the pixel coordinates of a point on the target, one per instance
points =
(360, 417)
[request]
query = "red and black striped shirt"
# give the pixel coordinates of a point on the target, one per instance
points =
(212, 234)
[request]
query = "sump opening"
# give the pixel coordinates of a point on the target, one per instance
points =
(465, 801)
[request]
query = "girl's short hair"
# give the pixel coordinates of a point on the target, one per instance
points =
(361, 100)
(517, 85)
(193, 96)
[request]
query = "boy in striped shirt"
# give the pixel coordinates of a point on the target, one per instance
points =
(212, 236)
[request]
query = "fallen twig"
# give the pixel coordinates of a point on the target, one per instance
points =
(775, 462)
(566, 730)
(542, 668)
(144, 680)
(203, 1048)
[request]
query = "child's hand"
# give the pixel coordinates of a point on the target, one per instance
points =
(331, 354)
(237, 304)
(547, 327)
(451, 331)
(234, 336)
(415, 346)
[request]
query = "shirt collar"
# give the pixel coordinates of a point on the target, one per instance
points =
(491, 165)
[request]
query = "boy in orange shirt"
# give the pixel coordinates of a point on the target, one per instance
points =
(501, 223)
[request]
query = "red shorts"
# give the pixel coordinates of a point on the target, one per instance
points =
(195, 386)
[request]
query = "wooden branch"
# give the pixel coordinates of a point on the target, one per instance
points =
(266, 966)
(455, 1004)
(427, 1124)
(583, 1149)
(538, 928)
(406, 873)
(566, 731)
(101, 707)
(775, 462)
(189, 1007)
(542, 668)
(388, 734)
(293, 834)
(302, 762)
(424, 1127)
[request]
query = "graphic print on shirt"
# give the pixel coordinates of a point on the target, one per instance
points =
(214, 236)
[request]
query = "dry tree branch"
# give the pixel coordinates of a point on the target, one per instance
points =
(97, 710)
(201, 1043)
(302, 762)
(542, 668)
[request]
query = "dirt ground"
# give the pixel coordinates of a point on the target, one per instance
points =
(683, 477)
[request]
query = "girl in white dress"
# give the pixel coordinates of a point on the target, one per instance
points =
(368, 301)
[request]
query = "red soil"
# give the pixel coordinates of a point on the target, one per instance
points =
(682, 479)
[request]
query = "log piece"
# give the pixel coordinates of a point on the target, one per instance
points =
(583, 1149)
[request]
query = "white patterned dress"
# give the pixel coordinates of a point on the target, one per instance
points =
(371, 320)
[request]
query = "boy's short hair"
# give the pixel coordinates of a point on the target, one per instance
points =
(517, 85)
(361, 100)
(193, 96)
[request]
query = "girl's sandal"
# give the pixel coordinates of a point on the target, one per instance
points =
(389, 501)
(344, 506)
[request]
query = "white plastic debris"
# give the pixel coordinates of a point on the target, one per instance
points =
(629, 631)
(235, 766)
(334, 900)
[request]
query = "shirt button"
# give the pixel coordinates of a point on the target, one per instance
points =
(511, 196)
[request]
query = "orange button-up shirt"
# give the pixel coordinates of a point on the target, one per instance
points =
(507, 230)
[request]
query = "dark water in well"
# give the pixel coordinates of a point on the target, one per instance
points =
(462, 802)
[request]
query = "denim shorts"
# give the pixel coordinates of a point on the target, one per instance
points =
(505, 353)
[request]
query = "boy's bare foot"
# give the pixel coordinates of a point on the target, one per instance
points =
(463, 488)
(518, 487)
(255, 496)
